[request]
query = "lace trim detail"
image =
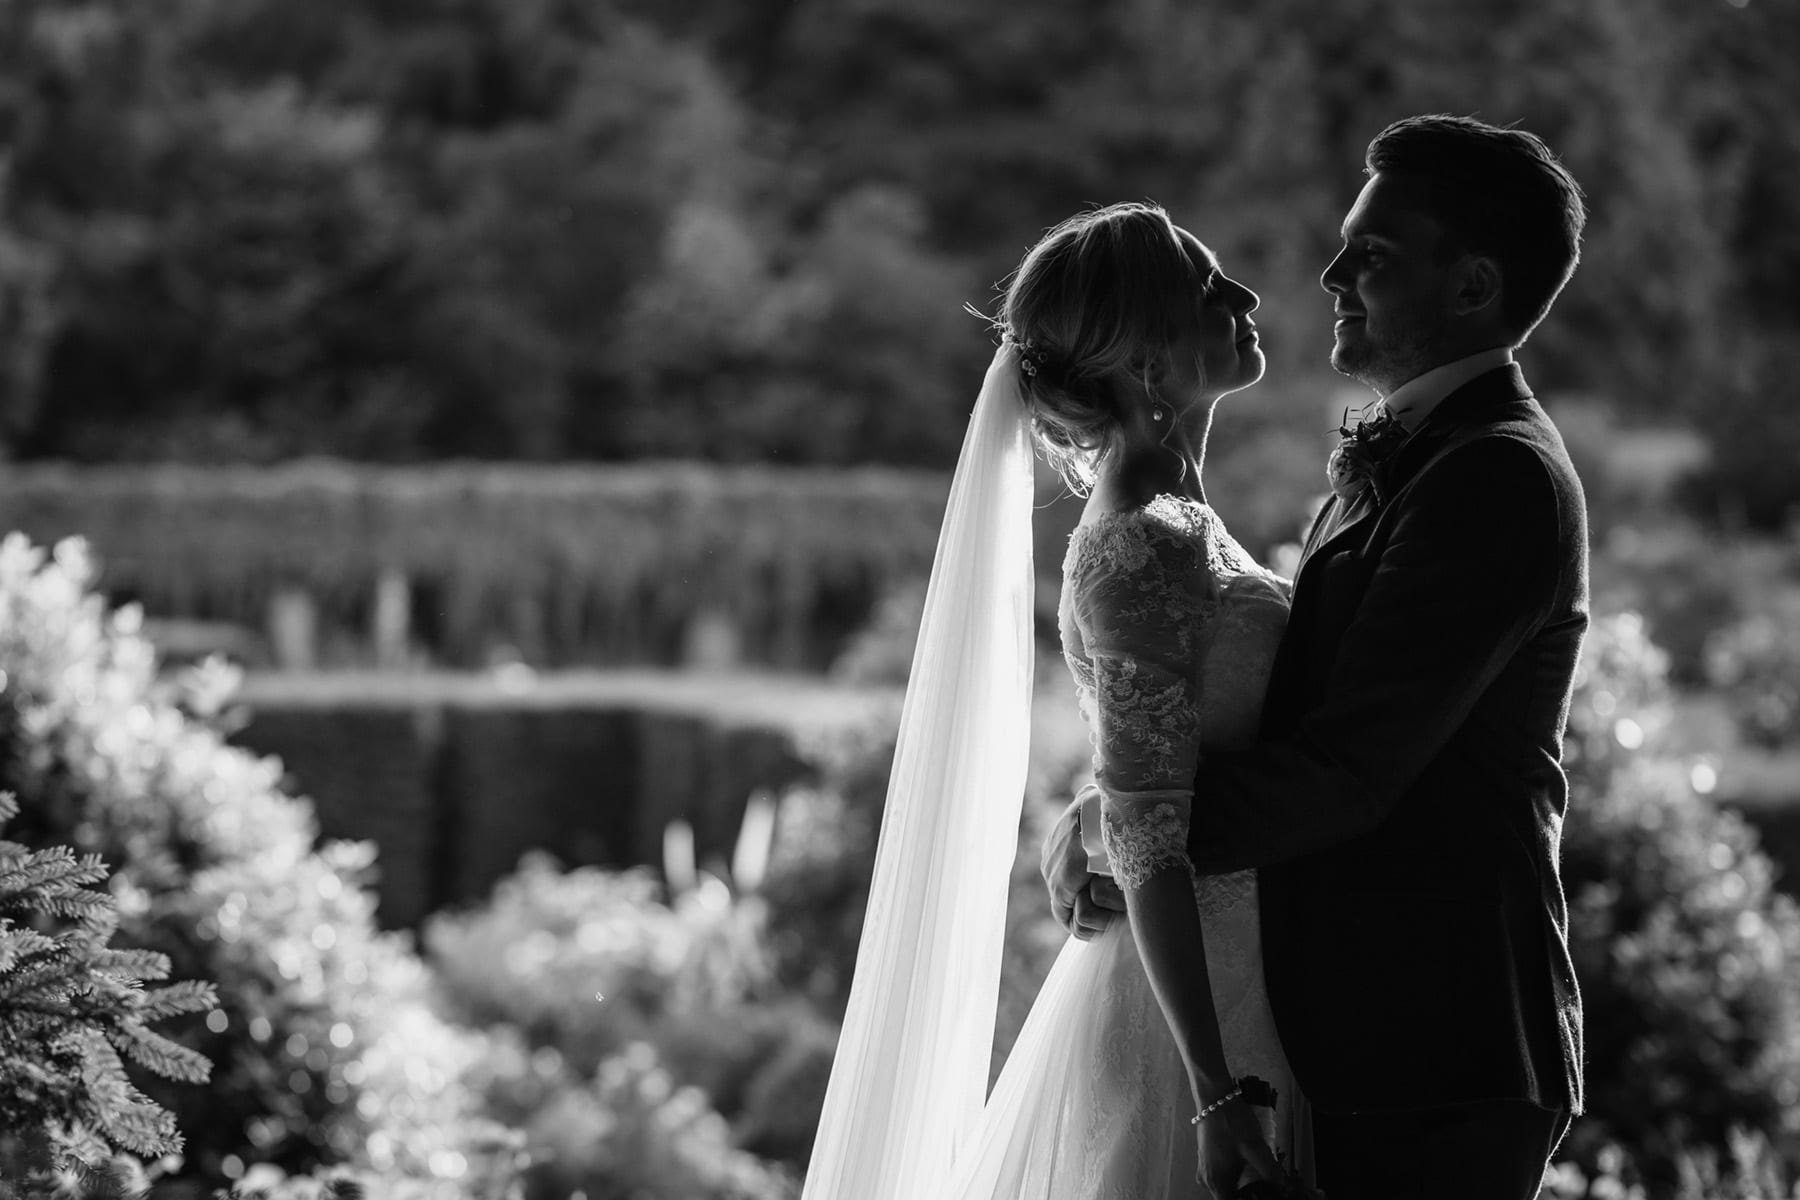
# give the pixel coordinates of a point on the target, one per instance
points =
(1145, 594)
(1152, 722)
(1219, 895)
(1143, 837)
(1119, 542)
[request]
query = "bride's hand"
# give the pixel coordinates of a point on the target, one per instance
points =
(1231, 1145)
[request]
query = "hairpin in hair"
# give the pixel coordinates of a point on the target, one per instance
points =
(1031, 358)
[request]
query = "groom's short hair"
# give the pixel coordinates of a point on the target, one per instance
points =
(1499, 193)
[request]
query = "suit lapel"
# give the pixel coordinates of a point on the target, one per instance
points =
(1480, 400)
(1338, 518)
(1324, 524)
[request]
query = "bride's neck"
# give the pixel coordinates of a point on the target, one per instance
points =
(1154, 458)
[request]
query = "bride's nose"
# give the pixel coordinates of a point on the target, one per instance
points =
(1243, 300)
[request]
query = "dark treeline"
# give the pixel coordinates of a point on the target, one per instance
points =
(397, 230)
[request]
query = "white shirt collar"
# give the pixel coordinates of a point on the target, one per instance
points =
(1413, 400)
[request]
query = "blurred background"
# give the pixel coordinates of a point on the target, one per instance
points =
(507, 439)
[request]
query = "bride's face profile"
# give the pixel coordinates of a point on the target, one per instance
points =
(1228, 350)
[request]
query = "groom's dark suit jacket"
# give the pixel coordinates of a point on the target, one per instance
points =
(1406, 801)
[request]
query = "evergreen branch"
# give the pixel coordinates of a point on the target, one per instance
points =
(185, 996)
(56, 867)
(125, 1115)
(69, 1004)
(166, 1057)
(46, 976)
(20, 943)
(135, 964)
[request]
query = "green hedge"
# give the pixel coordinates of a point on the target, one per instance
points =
(594, 563)
(456, 775)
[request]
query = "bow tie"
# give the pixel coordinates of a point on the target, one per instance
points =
(1354, 465)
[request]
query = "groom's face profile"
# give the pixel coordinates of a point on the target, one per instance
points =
(1393, 284)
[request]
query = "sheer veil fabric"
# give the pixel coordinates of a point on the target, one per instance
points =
(910, 1075)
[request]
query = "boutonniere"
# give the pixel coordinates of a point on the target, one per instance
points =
(1361, 449)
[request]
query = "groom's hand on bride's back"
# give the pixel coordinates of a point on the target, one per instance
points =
(1084, 903)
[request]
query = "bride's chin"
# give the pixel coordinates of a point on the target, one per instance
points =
(1254, 367)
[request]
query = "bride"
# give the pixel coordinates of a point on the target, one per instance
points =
(1148, 1068)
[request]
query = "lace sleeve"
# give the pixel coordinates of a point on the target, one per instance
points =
(1138, 603)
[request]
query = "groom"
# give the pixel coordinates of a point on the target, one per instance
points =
(1405, 803)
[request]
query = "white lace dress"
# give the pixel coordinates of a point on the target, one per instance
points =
(1170, 631)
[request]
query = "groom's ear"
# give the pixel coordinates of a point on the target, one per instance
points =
(1477, 285)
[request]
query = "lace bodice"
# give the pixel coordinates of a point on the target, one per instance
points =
(1170, 630)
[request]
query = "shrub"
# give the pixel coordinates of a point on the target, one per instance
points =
(635, 1032)
(1689, 960)
(325, 1047)
(591, 960)
(69, 1006)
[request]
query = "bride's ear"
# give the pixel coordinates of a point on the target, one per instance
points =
(1478, 285)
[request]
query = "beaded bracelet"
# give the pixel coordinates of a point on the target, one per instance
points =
(1216, 1105)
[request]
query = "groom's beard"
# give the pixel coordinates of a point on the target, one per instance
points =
(1385, 353)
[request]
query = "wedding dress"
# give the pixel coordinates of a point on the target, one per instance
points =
(1170, 629)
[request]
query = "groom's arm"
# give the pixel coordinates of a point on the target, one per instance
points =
(1470, 573)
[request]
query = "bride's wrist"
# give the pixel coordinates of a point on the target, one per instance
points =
(1209, 1085)
(1206, 1106)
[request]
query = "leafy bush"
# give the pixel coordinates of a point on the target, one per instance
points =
(1689, 960)
(628, 1130)
(542, 953)
(325, 1046)
(636, 1032)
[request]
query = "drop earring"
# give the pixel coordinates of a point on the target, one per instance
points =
(1156, 412)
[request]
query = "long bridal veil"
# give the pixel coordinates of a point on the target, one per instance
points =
(910, 1075)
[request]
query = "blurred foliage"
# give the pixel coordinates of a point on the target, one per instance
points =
(1689, 960)
(1756, 664)
(881, 652)
(1724, 609)
(694, 229)
(668, 1033)
(561, 565)
(646, 1051)
(325, 1047)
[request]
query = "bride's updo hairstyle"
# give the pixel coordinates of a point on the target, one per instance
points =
(1097, 306)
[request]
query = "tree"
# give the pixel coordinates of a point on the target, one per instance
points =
(541, 230)
(70, 1005)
